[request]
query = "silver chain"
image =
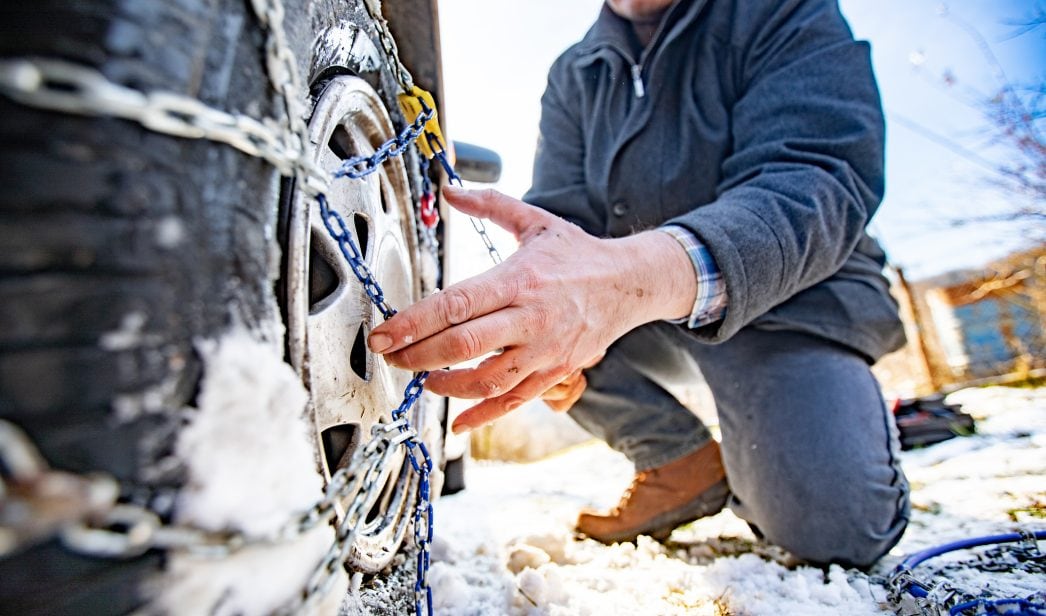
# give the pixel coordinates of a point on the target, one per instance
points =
(361, 476)
(283, 74)
(56, 85)
(481, 230)
(85, 522)
(388, 45)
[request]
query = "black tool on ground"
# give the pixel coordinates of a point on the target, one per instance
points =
(928, 420)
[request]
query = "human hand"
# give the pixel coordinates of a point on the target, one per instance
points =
(555, 304)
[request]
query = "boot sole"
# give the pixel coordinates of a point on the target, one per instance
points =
(709, 502)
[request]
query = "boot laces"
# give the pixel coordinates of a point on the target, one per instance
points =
(639, 478)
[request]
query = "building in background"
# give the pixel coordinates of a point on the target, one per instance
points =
(970, 326)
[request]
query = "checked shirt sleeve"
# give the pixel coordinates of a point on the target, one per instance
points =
(711, 301)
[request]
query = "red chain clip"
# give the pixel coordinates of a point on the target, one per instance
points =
(429, 213)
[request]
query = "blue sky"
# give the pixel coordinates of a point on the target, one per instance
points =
(496, 55)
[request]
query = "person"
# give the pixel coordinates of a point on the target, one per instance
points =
(704, 176)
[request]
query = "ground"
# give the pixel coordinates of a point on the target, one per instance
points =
(506, 545)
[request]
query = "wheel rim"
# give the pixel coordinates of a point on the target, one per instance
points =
(329, 315)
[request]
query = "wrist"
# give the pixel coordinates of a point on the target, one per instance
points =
(661, 274)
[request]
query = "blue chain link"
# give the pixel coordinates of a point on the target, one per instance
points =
(902, 581)
(338, 230)
(1003, 607)
(361, 166)
(423, 508)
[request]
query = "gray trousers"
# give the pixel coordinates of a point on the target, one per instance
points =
(808, 444)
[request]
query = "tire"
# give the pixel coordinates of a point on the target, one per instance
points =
(126, 256)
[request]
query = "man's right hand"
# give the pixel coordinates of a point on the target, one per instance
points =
(558, 301)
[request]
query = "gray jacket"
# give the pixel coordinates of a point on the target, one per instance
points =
(760, 130)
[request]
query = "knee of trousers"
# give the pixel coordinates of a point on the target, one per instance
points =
(837, 528)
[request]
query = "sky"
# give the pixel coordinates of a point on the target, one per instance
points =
(496, 55)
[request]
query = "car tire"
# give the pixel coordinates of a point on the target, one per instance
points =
(126, 254)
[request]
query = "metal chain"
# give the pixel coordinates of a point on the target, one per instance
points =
(406, 82)
(282, 69)
(388, 45)
(358, 167)
(86, 524)
(423, 507)
(57, 85)
(477, 224)
(906, 592)
(361, 166)
(361, 476)
(339, 231)
(428, 213)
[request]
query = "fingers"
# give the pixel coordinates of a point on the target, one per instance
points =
(566, 395)
(462, 342)
(466, 300)
(489, 410)
(510, 214)
(493, 377)
(557, 391)
(505, 373)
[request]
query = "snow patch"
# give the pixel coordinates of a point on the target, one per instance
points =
(523, 556)
(250, 467)
(751, 585)
(449, 587)
(248, 451)
(254, 580)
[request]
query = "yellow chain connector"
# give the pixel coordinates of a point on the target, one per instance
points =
(411, 106)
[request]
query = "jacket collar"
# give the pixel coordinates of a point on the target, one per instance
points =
(611, 30)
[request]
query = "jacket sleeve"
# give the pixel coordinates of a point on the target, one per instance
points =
(558, 183)
(806, 169)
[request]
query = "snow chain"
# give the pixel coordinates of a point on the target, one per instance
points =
(83, 510)
(910, 595)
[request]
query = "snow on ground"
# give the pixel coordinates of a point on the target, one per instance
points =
(506, 544)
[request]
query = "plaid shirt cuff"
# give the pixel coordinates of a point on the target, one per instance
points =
(711, 301)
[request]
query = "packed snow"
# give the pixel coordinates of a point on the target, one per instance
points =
(250, 467)
(506, 545)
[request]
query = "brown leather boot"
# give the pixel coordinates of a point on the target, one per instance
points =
(662, 498)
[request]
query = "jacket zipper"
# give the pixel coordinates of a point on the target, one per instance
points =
(637, 66)
(637, 80)
(644, 56)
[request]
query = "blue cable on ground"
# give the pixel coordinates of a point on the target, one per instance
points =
(1008, 606)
